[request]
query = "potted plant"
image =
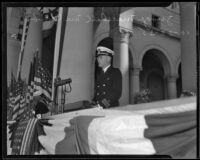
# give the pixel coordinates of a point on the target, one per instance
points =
(142, 96)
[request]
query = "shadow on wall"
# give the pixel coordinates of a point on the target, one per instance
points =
(76, 134)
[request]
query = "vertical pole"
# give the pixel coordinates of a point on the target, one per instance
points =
(21, 50)
(56, 55)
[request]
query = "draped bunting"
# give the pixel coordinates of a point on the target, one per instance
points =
(168, 130)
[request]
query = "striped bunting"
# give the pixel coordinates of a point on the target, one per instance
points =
(22, 136)
(17, 95)
(166, 130)
(26, 141)
(17, 137)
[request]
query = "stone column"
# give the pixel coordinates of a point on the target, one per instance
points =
(188, 45)
(171, 84)
(121, 60)
(135, 82)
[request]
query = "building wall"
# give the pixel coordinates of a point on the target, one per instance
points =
(13, 45)
(189, 46)
(143, 40)
(80, 42)
(33, 41)
(170, 20)
(77, 58)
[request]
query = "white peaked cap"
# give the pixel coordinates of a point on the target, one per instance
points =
(101, 50)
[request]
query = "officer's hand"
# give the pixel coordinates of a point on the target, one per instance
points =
(106, 103)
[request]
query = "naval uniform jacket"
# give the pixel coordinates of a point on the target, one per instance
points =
(109, 86)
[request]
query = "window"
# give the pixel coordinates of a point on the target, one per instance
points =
(155, 21)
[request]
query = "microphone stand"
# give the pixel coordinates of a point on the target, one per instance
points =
(59, 82)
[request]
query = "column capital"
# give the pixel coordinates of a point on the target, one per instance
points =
(135, 71)
(171, 78)
(125, 35)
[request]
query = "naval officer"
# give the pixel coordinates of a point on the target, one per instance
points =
(108, 87)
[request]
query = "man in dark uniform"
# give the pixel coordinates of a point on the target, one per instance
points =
(108, 87)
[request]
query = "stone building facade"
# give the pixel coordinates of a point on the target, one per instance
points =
(155, 48)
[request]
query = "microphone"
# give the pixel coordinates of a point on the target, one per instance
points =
(59, 82)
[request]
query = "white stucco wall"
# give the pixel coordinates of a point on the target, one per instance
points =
(33, 42)
(13, 46)
(76, 62)
(170, 20)
(189, 45)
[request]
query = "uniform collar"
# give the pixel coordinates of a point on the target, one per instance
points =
(105, 69)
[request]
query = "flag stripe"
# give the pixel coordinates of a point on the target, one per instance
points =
(26, 137)
(24, 37)
(42, 78)
(21, 24)
(117, 131)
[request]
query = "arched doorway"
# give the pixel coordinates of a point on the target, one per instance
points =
(152, 75)
(179, 82)
(155, 83)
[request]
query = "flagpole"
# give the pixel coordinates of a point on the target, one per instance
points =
(56, 49)
(21, 49)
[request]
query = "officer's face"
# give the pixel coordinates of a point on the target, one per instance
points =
(103, 61)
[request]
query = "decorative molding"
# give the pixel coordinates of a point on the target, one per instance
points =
(125, 35)
(172, 77)
(156, 30)
(135, 71)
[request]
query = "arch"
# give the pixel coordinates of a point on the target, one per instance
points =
(103, 35)
(165, 59)
(154, 70)
(177, 64)
(155, 82)
(179, 82)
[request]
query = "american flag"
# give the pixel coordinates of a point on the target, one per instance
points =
(23, 98)
(16, 97)
(21, 24)
(23, 136)
(29, 94)
(42, 79)
(24, 111)
(24, 36)
(11, 91)
(30, 89)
